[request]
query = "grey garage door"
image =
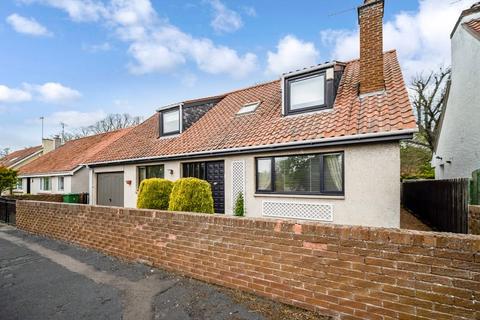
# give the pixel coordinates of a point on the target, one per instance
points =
(110, 189)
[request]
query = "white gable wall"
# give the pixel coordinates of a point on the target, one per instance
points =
(459, 140)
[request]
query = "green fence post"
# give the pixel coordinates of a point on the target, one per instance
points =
(475, 188)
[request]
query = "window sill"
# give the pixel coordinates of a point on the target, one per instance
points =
(299, 196)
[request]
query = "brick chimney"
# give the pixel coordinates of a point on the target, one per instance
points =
(370, 19)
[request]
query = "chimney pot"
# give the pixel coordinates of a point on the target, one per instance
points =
(370, 19)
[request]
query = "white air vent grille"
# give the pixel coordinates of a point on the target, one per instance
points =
(298, 210)
(238, 180)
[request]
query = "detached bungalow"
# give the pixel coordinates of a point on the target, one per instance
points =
(321, 143)
(62, 170)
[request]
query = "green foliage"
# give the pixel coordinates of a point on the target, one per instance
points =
(191, 195)
(8, 179)
(415, 162)
(154, 194)
(239, 206)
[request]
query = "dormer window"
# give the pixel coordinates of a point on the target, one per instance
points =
(170, 121)
(305, 92)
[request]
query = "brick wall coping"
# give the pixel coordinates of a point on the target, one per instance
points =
(445, 240)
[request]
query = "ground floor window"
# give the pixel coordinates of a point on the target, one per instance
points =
(45, 184)
(301, 174)
(148, 172)
(61, 183)
(19, 184)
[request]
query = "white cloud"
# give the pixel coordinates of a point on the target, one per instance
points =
(421, 38)
(291, 54)
(27, 25)
(10, 95)
(225, 19)
(78, 10)
(155, 44)
(250, 11)
(94, 48)
(53, 92)
(75, 119)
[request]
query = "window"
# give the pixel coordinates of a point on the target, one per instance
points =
(61, 183)
(264, 174)
(148, 172)
(19, 184)
(305, 93)
(313, 174)
(45, 184)
(249, 107)
(195, 170)
(170, 121)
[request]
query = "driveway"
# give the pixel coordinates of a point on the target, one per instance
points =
(42, 278)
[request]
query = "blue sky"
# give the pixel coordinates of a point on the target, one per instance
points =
(75, 61)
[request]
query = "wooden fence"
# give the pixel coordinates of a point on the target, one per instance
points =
(443, 204)
(7, 210)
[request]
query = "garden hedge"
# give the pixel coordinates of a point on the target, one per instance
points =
(191, 195)
(154, 194)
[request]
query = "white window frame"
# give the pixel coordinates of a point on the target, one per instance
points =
(42, 184)
(61, 184)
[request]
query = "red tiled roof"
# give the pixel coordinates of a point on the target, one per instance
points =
(221, 128)
(18, 156)
(474, 27)
(72, 154)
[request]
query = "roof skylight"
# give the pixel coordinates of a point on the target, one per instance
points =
(249, 107)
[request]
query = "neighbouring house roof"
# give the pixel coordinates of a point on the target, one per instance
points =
(222, 129)
(473, 9)
(473, 26)
(18, 156)
(72, 154)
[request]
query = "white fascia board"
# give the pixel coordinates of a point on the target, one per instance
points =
(52, 174)
(26, 158)
(278, 145)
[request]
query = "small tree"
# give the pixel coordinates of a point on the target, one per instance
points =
(8, 179)
(191, 195)
(239, 206)
(154, 194)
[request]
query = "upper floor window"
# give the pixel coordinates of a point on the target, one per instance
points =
(170, 121)
(45, 184)
(305, 92)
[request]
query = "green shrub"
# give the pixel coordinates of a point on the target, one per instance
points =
(154, 194)
(191, 195)
(239, 206)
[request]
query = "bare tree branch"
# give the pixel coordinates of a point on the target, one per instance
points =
(428, 100)
(111, 123)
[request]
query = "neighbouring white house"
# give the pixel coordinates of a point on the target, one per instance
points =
(457, 150)
(321, 143)
(20, 158)
(62, 170)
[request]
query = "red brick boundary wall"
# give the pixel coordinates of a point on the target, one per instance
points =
(345, 271)
(474, 220)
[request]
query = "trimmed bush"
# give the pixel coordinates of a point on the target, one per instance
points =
(239, 206)
(191, 195)
(154, 194)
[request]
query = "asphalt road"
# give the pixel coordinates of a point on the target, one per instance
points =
(42, 278)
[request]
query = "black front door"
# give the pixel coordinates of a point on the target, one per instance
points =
(28, 186)
(214, 173)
